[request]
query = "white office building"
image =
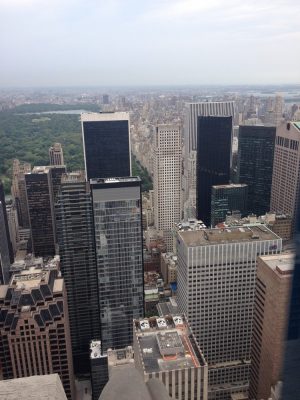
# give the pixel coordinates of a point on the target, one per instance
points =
(216, 285)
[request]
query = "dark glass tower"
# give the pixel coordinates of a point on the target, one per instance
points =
(119, 252)
(213, 160)
(255, 165)
(227, 198)
(291, 381)
(41, 211)
(75, 235)
(106, 145)
(2, 200)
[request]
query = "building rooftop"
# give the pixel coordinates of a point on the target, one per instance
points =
(227, 235)
(95, 181)
(189, 225)
(95, 349)
(46, 387)
(108, 116)
(282, 264)
(40, 170)
(230, 186)
(166, 344)
(71, 177)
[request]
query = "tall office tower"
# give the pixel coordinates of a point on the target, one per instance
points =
(18, 191)
(4, 248)
(166, 348)
(216, 285)
(117, 214)
(167, 180)
(34, 326)
(272, 294)
(106, 144)
(13, 226)
(41, 211)
(213, 160)
(274, 110)
(193, 111)
(56, 173)
(285, 193)
(291, 381)
(227, 198)
(75, 236)
(5, 220)
(255, 165)
(56, 154)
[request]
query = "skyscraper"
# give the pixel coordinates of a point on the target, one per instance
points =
(272, 295)
(4, 248)
(216, 285)
(193, 111)
(75, 236)
(285, 193)
(18, 191)
(106, 144)
(291, 381)
(255, 165)
(5, 220)
(56, 154)
(213, 160)
(34, 326)
(41, 211)
(119, 251)
(167, 180)
(227, 198)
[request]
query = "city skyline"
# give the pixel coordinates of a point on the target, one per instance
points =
(194, 34)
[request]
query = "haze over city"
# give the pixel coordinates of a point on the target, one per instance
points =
(73, 43)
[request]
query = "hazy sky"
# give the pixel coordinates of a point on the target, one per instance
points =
(133, 42)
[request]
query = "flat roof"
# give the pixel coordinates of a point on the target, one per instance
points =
(94, 181)
(280, 263)
(230, 186)
(107, 116)
(166, 344)
(227, 235)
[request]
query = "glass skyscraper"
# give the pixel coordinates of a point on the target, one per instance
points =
(213, 160)
(255, 165)
(119, 253)
(106, 144)
(75, 234)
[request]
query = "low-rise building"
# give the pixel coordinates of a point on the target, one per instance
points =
(165, 348)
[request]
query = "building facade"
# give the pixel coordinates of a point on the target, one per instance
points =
(215, 290)
(272, 294)
(106, 144)
(41, 211)
(34, 326)
(167, 180)
(285, 194)
(56, 154)
(18, 191)
(119, 255)
(213, 160)
(75, 236)
(227, 198)
(255, 165)
(165, 348)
